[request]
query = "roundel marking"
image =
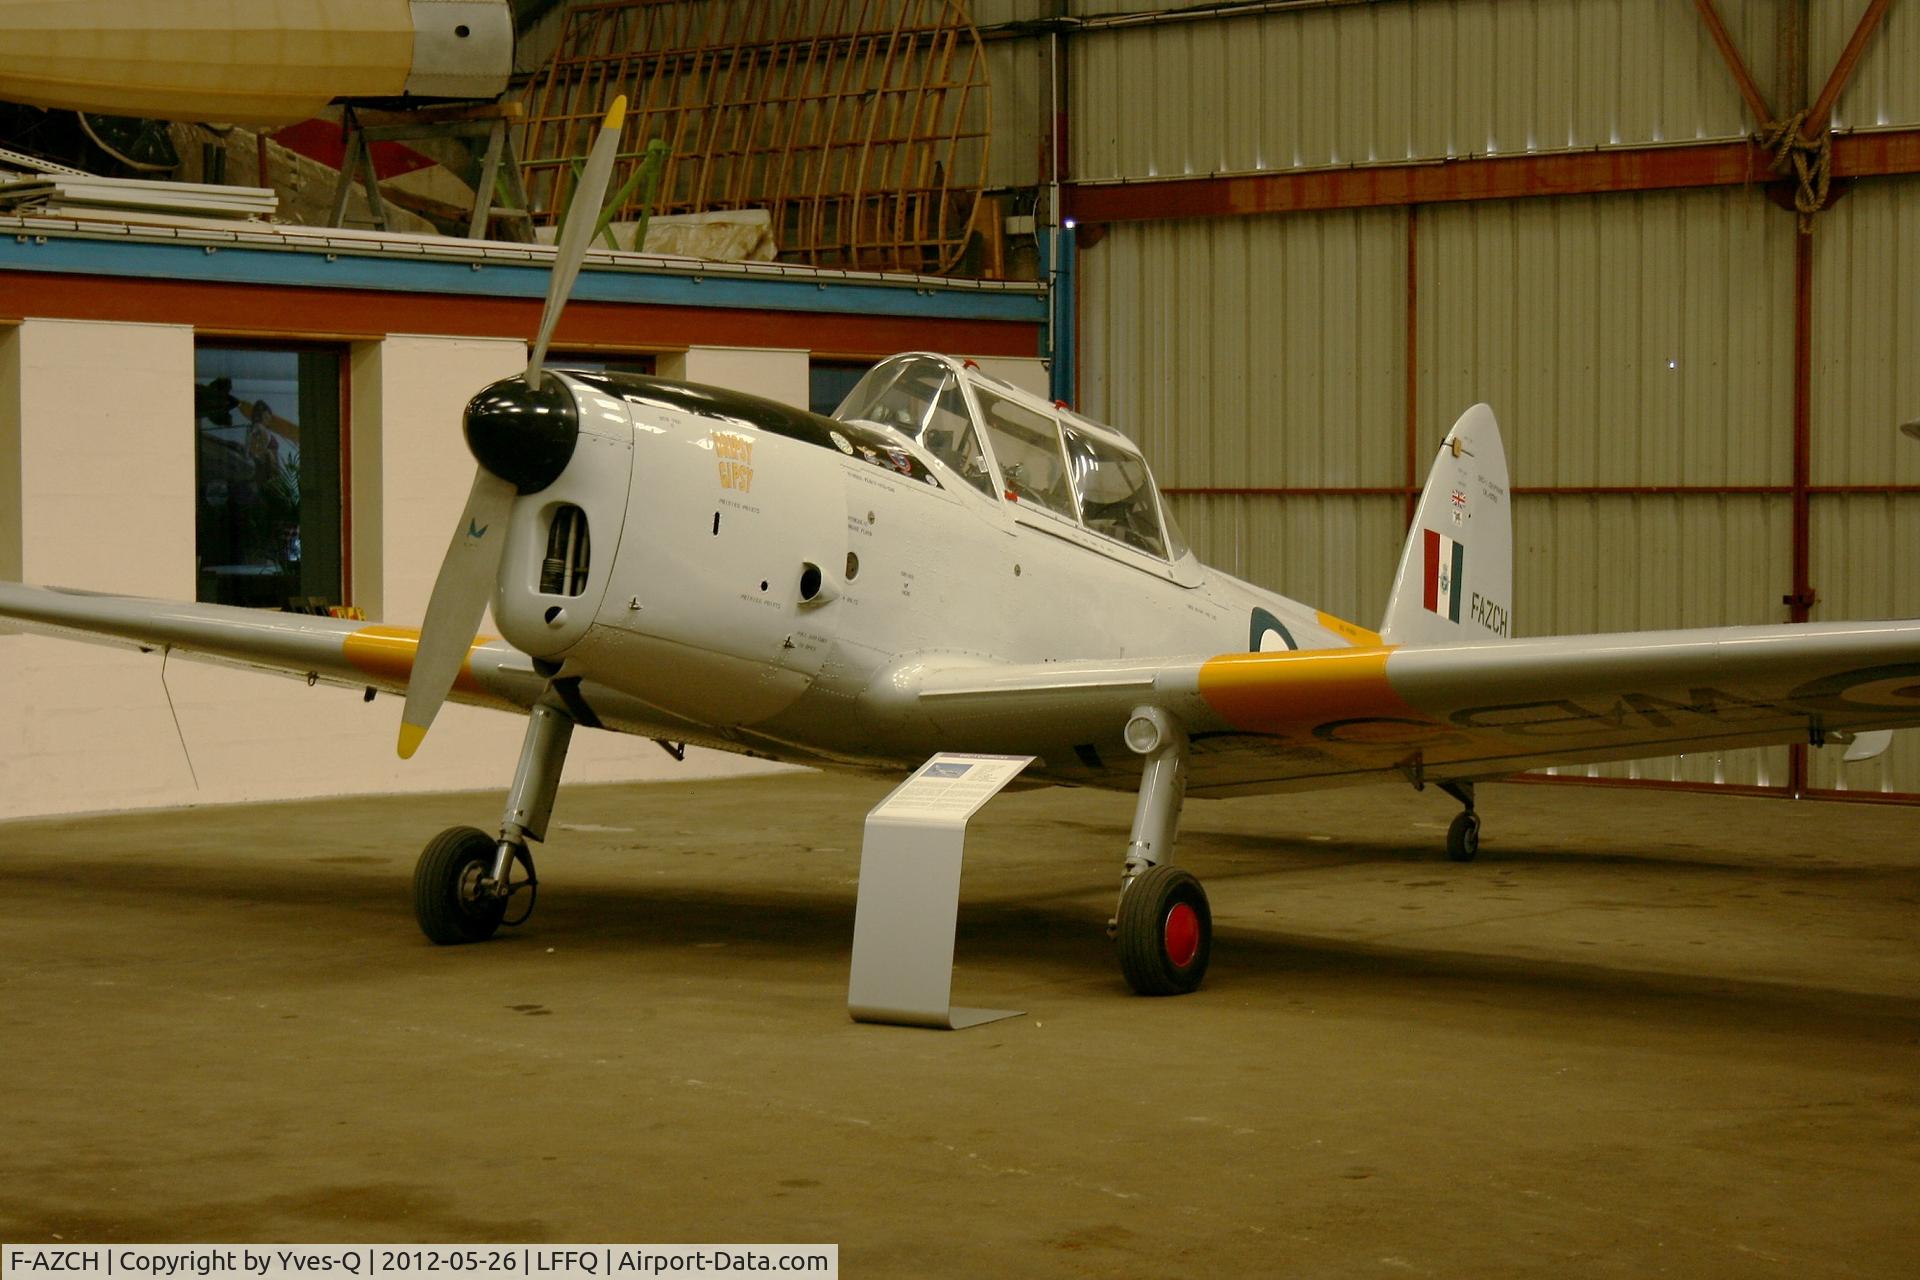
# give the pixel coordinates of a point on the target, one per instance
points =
(1267, 634)
(1895, 686)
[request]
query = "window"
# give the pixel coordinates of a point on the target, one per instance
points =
(1027, 447)
(829, 381)
(1116, 494)
(267, 471)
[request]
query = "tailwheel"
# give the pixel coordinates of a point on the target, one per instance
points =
(1165, 931)
(454, 898)
(1463, 837)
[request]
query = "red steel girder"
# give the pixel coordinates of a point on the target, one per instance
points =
(1822, 109)
(1756, 102)
(1565, 173)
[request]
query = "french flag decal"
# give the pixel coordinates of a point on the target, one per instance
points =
(1446, 562)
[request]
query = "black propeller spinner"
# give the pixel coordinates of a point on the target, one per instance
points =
(523, 434)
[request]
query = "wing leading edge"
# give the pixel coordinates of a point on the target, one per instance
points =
(334, 650)
(1259, 721)
(1275, 721)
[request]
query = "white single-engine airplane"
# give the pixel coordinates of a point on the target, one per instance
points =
(951, 564)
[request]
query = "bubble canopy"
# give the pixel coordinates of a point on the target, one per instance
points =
(1011, 446)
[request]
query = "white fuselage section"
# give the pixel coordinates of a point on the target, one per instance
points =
(758, 587)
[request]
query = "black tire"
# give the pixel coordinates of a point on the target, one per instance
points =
(446, 888)
(1165, 932)
(1463, 837)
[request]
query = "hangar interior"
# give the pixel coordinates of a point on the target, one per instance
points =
(1285, 281)
(1281, 245)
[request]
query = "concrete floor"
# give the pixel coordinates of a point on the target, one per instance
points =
(1645, 1034)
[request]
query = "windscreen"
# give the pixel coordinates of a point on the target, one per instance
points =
(921, 399)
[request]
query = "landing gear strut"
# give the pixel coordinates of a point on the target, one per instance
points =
(464, 881)
(1164, 926)
(1463, 836)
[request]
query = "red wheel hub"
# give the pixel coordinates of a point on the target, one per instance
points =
(1180, 935)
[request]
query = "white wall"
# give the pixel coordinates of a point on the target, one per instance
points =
(774, 372)
(105, 458)
(105, 451)
(1029, 373)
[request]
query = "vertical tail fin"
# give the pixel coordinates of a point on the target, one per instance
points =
(1456, 575)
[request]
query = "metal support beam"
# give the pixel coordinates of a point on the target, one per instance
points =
(1801, 601)
(1822, 109)
(1762, 113)
(1063, 299)
(1550, 490)
(1790, 52)
(1412, 440)
(1565, 173)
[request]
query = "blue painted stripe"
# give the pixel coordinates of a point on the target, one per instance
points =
(316, 269)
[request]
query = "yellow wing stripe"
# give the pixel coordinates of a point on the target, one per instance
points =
(1296, 693)
(387, 653)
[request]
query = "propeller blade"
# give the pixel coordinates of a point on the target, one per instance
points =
(468, 574)
(570, 246)
(459, 601)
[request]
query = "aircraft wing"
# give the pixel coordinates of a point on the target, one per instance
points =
(1258, 721)
(1277, 721)
(333, 650)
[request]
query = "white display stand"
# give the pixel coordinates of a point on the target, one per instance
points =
(909, 898)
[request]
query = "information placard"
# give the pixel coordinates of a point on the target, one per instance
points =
(903, 923)
(951, 787)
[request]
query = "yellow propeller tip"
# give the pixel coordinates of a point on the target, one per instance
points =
(411, 736)
(617, 113)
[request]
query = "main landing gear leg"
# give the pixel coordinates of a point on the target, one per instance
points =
(1164, 926)
(1463, 837)
(464, 879)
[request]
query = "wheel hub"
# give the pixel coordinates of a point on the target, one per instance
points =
(1180, 936)
(470, 877)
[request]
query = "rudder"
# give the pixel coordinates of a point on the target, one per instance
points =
(1455, 583)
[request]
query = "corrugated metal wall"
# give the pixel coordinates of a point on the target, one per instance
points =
(1232, 325)
(1625, 342)
(1638, 348)
(1262, 353)
(1396, 80)
(1358, 84)
(1022, 93)
(1885, 89)
(1866, 362)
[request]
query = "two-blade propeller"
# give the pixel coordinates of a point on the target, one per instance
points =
(472, 563)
